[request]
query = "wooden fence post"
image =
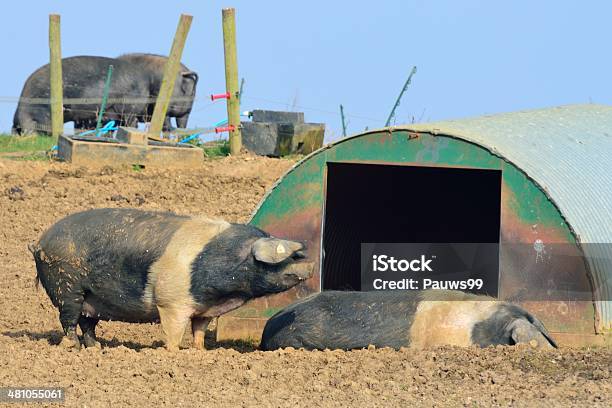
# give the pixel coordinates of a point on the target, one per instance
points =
(231, 79)
(170, 72)
(55, 68)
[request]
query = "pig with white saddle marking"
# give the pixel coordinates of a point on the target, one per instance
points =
(350, 320)
(142, 266)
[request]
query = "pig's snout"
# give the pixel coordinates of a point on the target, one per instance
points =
(299, 270)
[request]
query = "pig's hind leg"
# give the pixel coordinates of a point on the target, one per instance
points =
(88, 327)
(70, 307)
(70, 296)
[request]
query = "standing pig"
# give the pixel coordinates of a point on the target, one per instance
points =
(140, 266)
(184, 91)
(84, 78)
(350, 320)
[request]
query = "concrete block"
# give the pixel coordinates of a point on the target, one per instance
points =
(281, 139)
(311, 135)
(277, 116)
(100, 154)
(304, 138)
(131, 136)
(260, 138)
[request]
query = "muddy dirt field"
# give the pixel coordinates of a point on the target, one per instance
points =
(133, 369)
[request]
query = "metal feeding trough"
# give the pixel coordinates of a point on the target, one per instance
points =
(129, 147)
(536, 184)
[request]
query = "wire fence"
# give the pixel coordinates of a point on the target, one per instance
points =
(312, 109)
(173, 101)
(97, 100)
(127, 109)
(177, 133)
(137, 109)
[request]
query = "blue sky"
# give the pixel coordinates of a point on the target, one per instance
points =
(473, 57)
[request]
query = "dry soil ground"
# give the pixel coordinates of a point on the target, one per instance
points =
(133, 369)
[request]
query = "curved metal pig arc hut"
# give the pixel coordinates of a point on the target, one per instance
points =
(537, 183)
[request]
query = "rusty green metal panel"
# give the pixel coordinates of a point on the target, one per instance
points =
(294, 207)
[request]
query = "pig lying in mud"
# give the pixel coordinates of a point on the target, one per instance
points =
(139, 266)
(350, 320)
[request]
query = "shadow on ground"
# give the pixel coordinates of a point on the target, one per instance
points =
(54, 337)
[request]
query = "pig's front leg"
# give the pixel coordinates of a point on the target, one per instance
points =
(174, 320)
(198, 328)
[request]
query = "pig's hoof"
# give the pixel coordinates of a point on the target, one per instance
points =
(70, 343)
(89, 342)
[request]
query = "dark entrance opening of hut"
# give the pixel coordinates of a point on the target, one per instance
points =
(383, 203)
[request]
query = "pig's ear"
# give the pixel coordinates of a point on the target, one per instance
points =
(190, 74)
(273, 250)
(522, 331)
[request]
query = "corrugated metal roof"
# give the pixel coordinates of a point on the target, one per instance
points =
(567, 150)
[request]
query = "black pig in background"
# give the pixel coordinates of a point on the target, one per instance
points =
(84, 77)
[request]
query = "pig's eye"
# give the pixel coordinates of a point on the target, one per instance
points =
(298, 255)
